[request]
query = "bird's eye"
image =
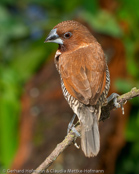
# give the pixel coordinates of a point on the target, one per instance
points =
(67, 35)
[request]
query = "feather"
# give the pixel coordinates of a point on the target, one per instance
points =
(82, 75)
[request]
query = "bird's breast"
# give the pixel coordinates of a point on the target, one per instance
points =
(56, 59)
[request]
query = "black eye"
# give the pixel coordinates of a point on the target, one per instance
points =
(57, 58)
(67, 35)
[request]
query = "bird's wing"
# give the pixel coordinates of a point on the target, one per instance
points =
(84, 73)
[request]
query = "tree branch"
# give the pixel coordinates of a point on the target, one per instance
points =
(105, 110)
(57, 151)
(71, 136)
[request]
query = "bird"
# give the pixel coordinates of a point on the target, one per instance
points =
(85, 78)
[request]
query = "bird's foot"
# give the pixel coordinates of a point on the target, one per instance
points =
(71, 127)
(75, 131)
(76, 145)
(114, 97)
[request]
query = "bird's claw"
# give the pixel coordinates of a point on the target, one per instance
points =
(114, 97)
(71, 127)
(123, 111)
(77, 135)
(118, 105)
(76, 145)
(75, 131)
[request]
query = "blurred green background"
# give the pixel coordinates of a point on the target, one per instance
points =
(23, 28)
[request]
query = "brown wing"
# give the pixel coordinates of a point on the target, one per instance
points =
(84, 73)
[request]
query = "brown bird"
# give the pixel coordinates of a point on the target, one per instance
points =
(85, 79)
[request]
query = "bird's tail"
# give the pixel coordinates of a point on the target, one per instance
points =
(90, 139)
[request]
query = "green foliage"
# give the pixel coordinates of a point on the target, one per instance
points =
(30, 59)
(126, 85)
(128, 14)
(132, 127)
(103, 22)
(22, 52)
(11, 27)
(128, 160)
(10, 91)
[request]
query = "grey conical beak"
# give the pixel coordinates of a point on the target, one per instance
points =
(53, 37)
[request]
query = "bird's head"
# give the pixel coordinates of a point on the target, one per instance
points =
(70, 35)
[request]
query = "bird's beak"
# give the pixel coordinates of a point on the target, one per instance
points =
(53, 37)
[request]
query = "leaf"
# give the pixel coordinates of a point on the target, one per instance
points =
(26, 62)
(123, 86)
(10, 91)
(103, 22)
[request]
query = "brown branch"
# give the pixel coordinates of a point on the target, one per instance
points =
(71, 136)
(105, 110)
(57, 151)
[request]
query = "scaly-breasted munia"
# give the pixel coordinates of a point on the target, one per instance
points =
(85, 79)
